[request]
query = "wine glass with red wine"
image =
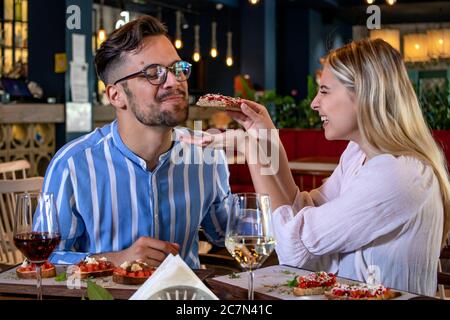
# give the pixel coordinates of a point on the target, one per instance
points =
(36, 229)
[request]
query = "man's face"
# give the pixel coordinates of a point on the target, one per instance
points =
(155, 105)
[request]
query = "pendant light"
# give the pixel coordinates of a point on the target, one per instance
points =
(178, 41)
(196, 56)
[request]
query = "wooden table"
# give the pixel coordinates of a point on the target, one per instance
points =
(25, 289)
(227, 288)
(223, 290)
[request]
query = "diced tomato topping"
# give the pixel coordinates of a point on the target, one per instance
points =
(120, 271)
(83, 268)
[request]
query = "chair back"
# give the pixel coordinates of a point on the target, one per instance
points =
(14, 170)
(8, 189)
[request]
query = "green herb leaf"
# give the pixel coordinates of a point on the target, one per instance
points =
(61, 277)
(234, 276)
(292, 283)
(96, 292)
(287, 272)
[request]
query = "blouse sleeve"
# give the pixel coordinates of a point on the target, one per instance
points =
(383, 196)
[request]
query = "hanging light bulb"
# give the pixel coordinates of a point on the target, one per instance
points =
(253, 2)
(185, 23)
(178, 41)
(214, 52)
(196, 56)
(101, 35)
(391, 2)
(370, 1)
(229, 60)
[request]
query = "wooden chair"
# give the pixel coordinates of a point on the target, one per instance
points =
(9, 255)
(14, 170)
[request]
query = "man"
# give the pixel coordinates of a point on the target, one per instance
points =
(119, 192)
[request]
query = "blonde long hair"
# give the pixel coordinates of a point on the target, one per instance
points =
(390, 119)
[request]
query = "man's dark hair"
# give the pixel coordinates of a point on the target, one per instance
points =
(125, 39)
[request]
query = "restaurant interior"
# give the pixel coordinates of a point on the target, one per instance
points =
(268, 51)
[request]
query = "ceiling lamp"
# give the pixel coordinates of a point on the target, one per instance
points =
(101, 35)
(370, 1)
(446, 43)
(196, 56)
(178, 41)
(229, 60)
(214, 52)
(254, 2)
(415, 47)
(391, 36)
(391, 2)
(438, 43)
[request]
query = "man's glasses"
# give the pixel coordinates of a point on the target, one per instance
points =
(156, 74)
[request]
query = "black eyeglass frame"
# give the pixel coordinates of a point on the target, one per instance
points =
(143, 73)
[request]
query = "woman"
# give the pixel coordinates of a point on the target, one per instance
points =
(384, 212)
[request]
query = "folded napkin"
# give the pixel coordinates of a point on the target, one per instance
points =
(172, 272)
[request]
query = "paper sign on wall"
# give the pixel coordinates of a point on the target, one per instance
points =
(79, 81)
(78, 48)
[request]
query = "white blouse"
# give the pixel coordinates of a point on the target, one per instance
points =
(380, 222)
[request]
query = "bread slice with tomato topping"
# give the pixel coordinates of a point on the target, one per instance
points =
(28, 270)
(361, 292)
(92, 267)
(218, 100)
(315, 283)
(132, 273)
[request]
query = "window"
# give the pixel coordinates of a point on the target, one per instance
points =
(14, 39)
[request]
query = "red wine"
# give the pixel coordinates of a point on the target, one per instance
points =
(37, 246)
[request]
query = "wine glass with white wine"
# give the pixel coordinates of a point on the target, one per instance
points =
(249, 235)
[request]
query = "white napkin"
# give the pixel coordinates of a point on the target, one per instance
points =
(172, 272)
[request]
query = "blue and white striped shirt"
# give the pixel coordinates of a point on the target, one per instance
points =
(107, 199)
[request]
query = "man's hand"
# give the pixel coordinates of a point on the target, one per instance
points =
(149, 250)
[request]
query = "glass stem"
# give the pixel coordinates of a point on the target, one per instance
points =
(39, 281)
(250, 285)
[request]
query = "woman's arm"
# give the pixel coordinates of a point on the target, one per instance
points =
(269, 170)
(274, 179)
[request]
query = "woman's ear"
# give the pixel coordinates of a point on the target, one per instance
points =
(116, 96)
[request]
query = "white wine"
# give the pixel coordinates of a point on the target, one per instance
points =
(250, 251)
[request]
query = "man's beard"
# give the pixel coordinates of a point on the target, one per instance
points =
(152, 115)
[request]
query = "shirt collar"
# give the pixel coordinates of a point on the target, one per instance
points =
(131, 155)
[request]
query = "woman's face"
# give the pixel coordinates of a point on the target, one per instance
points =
(337, 108)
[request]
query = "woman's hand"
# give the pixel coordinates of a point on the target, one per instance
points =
(253, 117)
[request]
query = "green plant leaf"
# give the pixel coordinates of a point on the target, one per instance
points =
(248, 91)
(61, 277)
(292, 283)
(96, 292)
